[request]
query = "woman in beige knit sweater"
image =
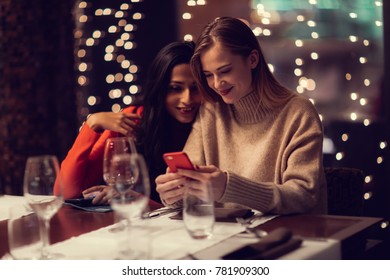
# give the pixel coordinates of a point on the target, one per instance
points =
(257, 143)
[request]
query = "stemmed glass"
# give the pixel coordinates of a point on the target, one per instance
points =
(39, 177)
(114, 147)
(132, 184)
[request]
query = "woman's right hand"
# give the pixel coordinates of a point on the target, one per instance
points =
(169, 186)
(124, 123)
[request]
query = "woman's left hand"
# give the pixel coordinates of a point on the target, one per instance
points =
(210, 175)
(102, 194)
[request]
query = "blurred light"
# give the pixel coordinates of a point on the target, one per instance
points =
(122, 22)
(299, 43)
(353, 116)
(328, 146)
(344, 137)
(83, 67)
(379, 160)
(300, 18)
(108, 57)
(384, 224)
(133, 69)
(186, 16)
(118, 77)
(90, 42)
(110, 49)
(367, 195)
(366, 43)
(82, 80)
(82, 4)
(378, 23)
(129, 45)
(110, 79)
(125, 6)
(129, 27)
(112, 29)
(188, 37)
(81, 53)
(298, 72)
(83, 18)
(363, 101)
(201, 2)
(119, 43)
(191, 3)
(125, 64)
(266, 32)
(120, 58)
(99, 12)
(367, 179)
(96, 34)
(257, 31)
(354, 95)
(137, 16)
(127, 99)
(116, 107)
(107, 12)
(362, 60)
(314, 35)
(383, 144)
(311, 23)
(298, 61)
(91, 100)
(119, 14)
(348, 76)
(271, 67)
(353, 38)
(339, 156)
(353, 15)
(366, 122)
(314, 55)
(125, 36)
(133, 89)
(129, 78)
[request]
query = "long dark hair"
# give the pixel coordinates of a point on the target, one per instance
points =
(234, 35)
(152, 124)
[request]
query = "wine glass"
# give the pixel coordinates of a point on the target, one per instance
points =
(116, 146)
(132, 184)
(39, 177)
(198, 211)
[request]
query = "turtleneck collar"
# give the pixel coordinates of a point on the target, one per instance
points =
(248, 109)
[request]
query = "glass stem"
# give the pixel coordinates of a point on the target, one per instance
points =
(44, 231)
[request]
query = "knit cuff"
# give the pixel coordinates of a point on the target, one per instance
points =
(248, 193)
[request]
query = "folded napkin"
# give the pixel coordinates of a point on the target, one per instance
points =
(277, 243)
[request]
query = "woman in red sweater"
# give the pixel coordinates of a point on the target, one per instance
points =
(170, 103)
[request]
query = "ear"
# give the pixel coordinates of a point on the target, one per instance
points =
(253, 59)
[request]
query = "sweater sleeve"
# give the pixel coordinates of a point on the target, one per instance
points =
(83, 165)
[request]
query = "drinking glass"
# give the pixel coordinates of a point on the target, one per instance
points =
(198, 211)
(38, 186)
(116, 146)
(24, 238)
(132, 184)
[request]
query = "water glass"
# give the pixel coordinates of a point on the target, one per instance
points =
(198, 211)
(23, 234)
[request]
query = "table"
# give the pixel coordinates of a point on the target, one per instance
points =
(351, 232)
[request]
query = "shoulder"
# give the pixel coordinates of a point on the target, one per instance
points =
(300, 105)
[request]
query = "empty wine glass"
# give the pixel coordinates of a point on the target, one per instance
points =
(198, 211)
(39, 177)
(132, 184)
(116, 146)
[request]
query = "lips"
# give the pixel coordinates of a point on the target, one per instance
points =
(225, 91)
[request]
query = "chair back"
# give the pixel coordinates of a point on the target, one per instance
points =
(345, 191)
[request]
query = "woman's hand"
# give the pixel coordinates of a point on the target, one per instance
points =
(170, 187)
(101, 194)
(206, 175)
(124, 123)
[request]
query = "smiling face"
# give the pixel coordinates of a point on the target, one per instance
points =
(183, 98)
(228, 74)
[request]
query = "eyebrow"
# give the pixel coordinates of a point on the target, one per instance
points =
(220, 67)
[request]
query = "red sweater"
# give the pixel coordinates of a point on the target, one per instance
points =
(83, 166)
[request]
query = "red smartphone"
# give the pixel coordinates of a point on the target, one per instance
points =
(177, 160)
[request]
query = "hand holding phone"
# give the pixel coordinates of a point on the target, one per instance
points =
(177, 160)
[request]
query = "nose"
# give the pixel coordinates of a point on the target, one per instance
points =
(218, 82)
(186, 96)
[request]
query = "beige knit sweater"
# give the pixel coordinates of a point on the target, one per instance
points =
(273, 161)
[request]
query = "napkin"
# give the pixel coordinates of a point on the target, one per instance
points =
(277, 243)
